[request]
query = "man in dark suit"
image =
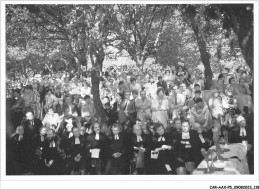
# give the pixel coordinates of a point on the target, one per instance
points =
(51, 154)
(21, 156)
(31, 125)
(140, 149)
(116, 152)
(96, 147)
(76, 151)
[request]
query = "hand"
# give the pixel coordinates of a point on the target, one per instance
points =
(142, 149)
(249, 146)
(164, 147)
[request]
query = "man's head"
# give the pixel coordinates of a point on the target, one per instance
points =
(137, 130)
(43, 131)
(177, 123)
(197, 127)
(17, 93)
(138, 122)
(76, 132)
(96, 127)
(197, 94)
(135, 93)
(241, 121)
(20, 130)
(50, 134)
(83, 130)
(185, 126)
(127, 94)
(143, 94)
(196, 87)
(116, 128)
(87, 98)
(159, 129)
(68, 99)
(29, 115)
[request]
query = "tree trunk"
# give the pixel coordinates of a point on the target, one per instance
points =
(240, 18)
(95, 80)
(204, 55)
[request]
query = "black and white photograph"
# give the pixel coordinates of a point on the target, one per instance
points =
(130, 90)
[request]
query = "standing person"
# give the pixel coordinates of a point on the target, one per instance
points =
(143, 107)
(160, 108)
(163, 84)
(116, 152)
(50, 99)
(17, 110)
(70, 108)
(135, 86)
(127, 110)
(96, 150)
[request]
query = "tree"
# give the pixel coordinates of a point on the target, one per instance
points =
(239, 17)
(193, 18)
(140, 28)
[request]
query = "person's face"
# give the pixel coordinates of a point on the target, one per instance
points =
(135, 95)
(138, 123)
(87, 117)
(50, 111)
(43, 131)
(134, 82)
(181, 77)
(160, 131)
(20, 130)
(49, 93)
(198, 128)
(160, 79)
(115, 130)
(143, 95)
(197, 95)
(76, 132)
(137, 130)
(197, 88)
(29, 116)
(161, 94)
(242, 81)
(185, 127)
(82, 130)
(16, 95)
(50, 135)
(168, 73)
(96, 128)
(68, 100)
(242, 123)
(177, 124)
(127, 95)
(232, 81)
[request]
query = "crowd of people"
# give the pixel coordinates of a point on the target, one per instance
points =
(158, 121)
